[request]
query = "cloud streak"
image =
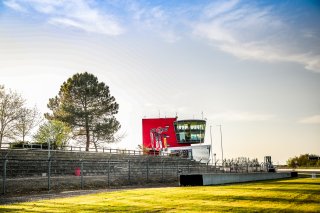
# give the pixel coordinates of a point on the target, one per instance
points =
(315, 119)
(156, 19)
(77, 14)
(242, 116)
(14, 5)
(251, 33)
(246, 31)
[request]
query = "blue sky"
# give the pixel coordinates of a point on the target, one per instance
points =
(252, 66)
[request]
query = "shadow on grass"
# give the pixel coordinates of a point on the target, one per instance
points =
(300, 191)
(231, 198)
(293, 183)
(285, 181)
(126, 208)
(297, 180)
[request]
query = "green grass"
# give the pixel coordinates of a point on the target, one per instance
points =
(294, 195)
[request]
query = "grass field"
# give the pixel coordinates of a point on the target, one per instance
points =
(295, 195)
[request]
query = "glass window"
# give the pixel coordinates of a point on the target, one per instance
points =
(190, 131)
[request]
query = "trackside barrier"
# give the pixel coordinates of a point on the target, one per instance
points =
(216, 179)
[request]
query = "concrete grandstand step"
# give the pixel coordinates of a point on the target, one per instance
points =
(24, 163)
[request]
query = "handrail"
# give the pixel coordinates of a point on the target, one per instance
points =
(28, 146)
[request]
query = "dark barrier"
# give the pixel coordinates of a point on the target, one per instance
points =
(225, 178)
(294, 174)
(191, 180)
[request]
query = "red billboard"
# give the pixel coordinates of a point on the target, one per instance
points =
(159, 133)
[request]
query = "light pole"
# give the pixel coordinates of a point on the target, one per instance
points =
(221, 143)
(211, 145)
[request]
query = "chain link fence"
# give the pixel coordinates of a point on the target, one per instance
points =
(29, 176)
(31, 171)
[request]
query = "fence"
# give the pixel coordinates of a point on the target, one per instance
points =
(28, 170)
(33, 146)
(21, 176)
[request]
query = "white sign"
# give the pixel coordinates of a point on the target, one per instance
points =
(199, 153)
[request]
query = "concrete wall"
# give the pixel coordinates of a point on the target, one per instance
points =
(222, 178)
(213, 179)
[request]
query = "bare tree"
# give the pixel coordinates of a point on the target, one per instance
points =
(29, 119)
(99, 140)
(97, 137)
(11, 107)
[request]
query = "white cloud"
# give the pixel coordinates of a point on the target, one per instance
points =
(241, 116)
(214, 31)
(253, 33)
(77, 14)
(218, 8)
(243, 29)
(315, 119)
(262, 52)
(14, 5)
(156, 19)
(312, 62)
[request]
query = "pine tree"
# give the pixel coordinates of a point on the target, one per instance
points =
(87, 107)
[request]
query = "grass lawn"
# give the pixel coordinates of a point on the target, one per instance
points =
(294, 195)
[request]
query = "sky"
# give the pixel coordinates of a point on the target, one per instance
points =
(252, 67)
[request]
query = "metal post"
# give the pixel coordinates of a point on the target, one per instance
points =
(49, 174)
(162, 178)
(221, 145)
(129, 178)
(81, 172)
(49, 149)
(178, 170)
(211, 145)
(108, 173)
(4, 177)
(215, 162)
(147, 170)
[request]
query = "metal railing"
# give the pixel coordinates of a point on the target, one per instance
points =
(32, 146)
(56, 175)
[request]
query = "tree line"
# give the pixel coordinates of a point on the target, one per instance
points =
(304, 160)
(83, 110)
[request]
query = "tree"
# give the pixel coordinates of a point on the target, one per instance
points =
(56, 131)
(11, 107)
(28, 119)
(87, 106)
(304, 160)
